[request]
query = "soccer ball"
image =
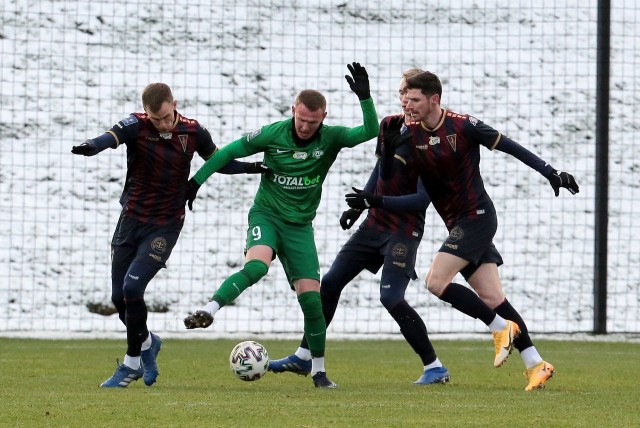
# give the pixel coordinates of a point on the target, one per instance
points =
(249, 360)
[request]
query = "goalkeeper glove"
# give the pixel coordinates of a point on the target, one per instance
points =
(349, 217)
(86, 149)
(192, 191)
(559, 179)
(363, 200)
(256, 168)
(359, 83)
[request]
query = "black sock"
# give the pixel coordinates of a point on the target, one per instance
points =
(136, 326)
(467, 302)
(506, 311)
(414, 331)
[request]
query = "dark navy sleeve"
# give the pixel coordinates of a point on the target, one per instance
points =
(206, 147)
(126, 130)
(373, 179)
(418, 201)
(235, 167)
(102, 142)
(507, 145)
(481, 132)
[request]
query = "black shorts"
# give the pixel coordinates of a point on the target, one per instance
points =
(371, 249)
(152, 243)
(471, 239)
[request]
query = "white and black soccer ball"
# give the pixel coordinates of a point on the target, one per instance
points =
(249, 360)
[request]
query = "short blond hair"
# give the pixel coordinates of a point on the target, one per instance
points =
(312, 99)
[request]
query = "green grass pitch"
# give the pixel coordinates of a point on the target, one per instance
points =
(55, 383)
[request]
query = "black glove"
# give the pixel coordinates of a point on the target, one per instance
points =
(360, 81)
(86, 149)
(391, 136)
(192, 191)
(363, 200)
(559, 179)
(256, 168)
(349, 217)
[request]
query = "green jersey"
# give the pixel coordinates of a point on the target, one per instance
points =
(293, 187)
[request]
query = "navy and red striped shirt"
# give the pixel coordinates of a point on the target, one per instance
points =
(447, 158)
(158, 166)
(409, 223)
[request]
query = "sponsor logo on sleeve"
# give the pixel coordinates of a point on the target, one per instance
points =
(130, 120)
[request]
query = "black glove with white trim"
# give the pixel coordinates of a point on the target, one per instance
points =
(559, 179)
(362, 200)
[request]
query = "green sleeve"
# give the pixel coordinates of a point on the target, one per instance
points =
(368, 130)
(220, 158)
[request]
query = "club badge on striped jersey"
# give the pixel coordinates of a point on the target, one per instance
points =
(183, 141)
(452, 139)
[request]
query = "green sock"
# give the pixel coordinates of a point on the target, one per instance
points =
(233, 286)
(315, 327)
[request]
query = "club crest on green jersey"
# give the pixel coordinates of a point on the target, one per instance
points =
(254, 134)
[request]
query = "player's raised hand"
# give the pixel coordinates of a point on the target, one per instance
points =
(358, 81)
(559, 179)
(88, 148)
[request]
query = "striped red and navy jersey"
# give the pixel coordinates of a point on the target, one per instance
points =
(447, 158)
(403, 182)
(158, 166)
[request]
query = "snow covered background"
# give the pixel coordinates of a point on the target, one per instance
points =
(71, 69)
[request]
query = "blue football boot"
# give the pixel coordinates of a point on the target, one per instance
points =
(434, 375)
(291, 364)
(148, 359)
(122, 377)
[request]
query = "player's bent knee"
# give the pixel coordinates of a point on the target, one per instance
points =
(435, 288)
(310, 304)
(255, 270)
(390, 300)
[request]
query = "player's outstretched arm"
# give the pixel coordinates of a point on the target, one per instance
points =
(418, 201)
(236, 167)
(220, 159)
(556, 178)
(94, 146)
(359, 84)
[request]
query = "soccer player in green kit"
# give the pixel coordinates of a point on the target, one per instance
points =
(299, 152)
